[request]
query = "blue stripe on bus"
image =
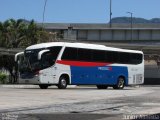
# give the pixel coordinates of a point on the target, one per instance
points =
(98, 75)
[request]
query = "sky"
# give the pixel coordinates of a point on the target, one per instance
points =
(77, 11)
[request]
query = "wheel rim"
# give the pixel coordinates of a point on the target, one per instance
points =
(121, 83)
(63, 82)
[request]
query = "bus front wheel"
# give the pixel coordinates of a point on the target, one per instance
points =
(120, 84)
(62, 83)
(102, 87)
(43, 86)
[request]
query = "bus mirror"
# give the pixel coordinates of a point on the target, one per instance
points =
(41, 53)
(18, 54)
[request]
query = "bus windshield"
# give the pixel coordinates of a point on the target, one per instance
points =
(31, 56)
(30, 63)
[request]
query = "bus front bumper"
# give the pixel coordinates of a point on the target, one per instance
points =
(34, 80)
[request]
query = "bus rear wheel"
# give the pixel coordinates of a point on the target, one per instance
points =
(62, 83)
(120, 83)
(43, 86)
(102, 86)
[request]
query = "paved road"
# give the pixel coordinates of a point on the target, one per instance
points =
(78, 103)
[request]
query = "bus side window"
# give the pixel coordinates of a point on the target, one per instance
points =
(112, 57)
(136, 58)
(124, 58)
(98, 55)
(108, 57)
(85, 55)
(49, 58)
(69, 54)
(55, 52)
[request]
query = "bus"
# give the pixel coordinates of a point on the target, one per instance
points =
(63, 63)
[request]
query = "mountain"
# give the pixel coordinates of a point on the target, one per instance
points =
(135, 20)
(155, 20)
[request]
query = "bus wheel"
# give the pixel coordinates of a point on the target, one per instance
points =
(102, 86)
(120, 83)
(43, 86)
(62, 83)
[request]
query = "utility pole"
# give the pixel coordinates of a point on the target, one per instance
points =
(44, 13)
(110, 22)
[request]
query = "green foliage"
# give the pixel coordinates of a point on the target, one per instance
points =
(19, 33)
(2, 78)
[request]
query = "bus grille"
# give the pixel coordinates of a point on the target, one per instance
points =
(137, 79)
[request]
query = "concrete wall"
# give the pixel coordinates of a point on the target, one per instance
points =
(156, 34)
(117, 35)
(152, 71)
(102, 32)
(82, 34)
(145, 35)
(93, 35)
(106, 35)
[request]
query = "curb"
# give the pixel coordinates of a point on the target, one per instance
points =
(31, 86)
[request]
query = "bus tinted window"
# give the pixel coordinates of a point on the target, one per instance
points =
(112, 56)
(88, 55)
(98, 55)
(49, 58)
(108, 57)
(136, 58)
(124, 58)
(84, 55)
(70, 54)
(115, 57)
(54, 52)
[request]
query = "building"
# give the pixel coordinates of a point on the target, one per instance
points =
(102, 32)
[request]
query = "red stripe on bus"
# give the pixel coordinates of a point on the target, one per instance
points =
(80, 63)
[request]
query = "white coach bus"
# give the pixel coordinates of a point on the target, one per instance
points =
(62, 64)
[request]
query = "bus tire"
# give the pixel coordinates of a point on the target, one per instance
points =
(43, 86)
(102, 86)
(120, 84)
(62, 83)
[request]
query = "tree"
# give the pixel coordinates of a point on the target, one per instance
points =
(12, 32)
(34, 35)
(44, 36)
(18, 33)
(3, 34)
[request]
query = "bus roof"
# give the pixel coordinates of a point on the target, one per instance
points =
(80, 45)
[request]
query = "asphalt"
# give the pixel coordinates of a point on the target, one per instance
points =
(79, 103)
